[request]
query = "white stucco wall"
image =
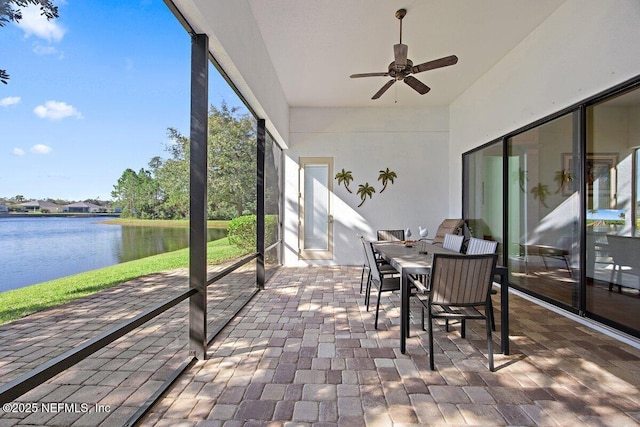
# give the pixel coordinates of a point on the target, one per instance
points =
(585, 47)
(411, 142)
(238, 46)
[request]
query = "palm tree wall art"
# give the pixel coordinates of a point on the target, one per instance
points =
(365, 190)
(386, 176)
(344, 177)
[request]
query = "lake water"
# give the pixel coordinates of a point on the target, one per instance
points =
(37, 249)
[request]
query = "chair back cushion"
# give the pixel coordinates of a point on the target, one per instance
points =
(448, 226)
(480, 246)
(463, 280)
(391, 235)
(453, 242)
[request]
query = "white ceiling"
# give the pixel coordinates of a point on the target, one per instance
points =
(316, 44)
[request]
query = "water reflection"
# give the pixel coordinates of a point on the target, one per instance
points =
(37, 249)
(140, 242)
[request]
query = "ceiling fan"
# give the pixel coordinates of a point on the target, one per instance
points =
(402, 67)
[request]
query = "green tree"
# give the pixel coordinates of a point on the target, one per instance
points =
(124, 192)
(163, 190)
(137, 192)
(10, 11)
(232, 163)
(173, 177)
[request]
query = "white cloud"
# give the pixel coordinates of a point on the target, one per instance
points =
(56, 110)
(42, 50)
(10, 100)
(34, 23)
(18, 151)
(41, 149)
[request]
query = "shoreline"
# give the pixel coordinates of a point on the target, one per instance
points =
(169, 223)
(58, 215)
(20, 302)
(116, 219)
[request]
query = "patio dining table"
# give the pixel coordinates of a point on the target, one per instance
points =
(409, 260)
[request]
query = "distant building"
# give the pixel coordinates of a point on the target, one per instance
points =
(4, 209)
(40, 206)
(83, 207)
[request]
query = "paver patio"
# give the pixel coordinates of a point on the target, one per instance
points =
(304, 353)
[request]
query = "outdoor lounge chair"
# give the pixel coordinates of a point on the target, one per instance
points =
(448, 226)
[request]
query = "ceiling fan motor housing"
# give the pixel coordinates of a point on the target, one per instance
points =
(400, 72)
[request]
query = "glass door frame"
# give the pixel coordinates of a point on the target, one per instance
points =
(314, 253)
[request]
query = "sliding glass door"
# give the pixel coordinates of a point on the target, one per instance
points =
(562, 198)
(612, 202)
(544, 210)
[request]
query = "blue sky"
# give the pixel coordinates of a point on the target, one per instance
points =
(91, 94)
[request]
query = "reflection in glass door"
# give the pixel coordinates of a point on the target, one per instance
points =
(543, 213)
(315, 218)
(483, 201)
(612, 202)
(572, 197)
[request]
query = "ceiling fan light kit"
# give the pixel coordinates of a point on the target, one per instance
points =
(402, 67)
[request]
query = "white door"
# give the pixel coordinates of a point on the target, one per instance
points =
(315, 220)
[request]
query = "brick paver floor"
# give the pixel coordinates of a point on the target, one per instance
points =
(304, 353)
(115, 381)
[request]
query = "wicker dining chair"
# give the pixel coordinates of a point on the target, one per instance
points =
(459, 285)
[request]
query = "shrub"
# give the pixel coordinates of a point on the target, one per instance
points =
(241, 231)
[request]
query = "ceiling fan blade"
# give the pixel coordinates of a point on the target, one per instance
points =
(400, 53)
(383, 89)
(417, 85)
(436, 63)
(355, 76)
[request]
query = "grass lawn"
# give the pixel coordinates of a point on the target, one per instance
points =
(18, 303)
